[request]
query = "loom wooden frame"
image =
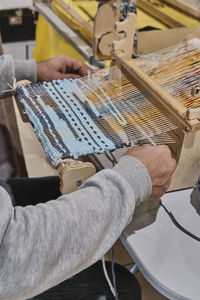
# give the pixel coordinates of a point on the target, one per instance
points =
(155, 12)
(190, 135)
(184, 8)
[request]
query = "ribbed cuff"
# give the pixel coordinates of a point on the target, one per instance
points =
(25, 69)
(137, 176)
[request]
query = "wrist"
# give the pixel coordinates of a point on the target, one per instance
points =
(137, 176)
(25, 69)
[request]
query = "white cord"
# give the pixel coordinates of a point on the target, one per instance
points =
(107, 277)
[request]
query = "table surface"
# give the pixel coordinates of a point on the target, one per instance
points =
(167, 257)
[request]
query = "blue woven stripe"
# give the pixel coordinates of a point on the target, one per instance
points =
(50, 151)
(84, 144)
(95, 134)
(37, 106)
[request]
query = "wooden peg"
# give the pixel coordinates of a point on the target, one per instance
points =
(73, 173)
(104, 31)
(128, 27)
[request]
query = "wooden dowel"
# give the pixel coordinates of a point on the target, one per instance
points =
(160, 15)
(184, 8)
(76, 16)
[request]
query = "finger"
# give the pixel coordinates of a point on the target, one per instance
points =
(164, 187)
(74, 66)
(159, 191)
(79, 69)
(169, 169)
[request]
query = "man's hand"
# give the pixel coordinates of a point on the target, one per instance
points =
(60, 67)
(159, 163)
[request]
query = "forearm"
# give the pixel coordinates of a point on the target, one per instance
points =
(11, 70)
(25, 69)
(7, 74)
(43, 245)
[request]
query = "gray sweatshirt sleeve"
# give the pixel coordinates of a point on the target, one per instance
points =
(45, 244)
(11, 69)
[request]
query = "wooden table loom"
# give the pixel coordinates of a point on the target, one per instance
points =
(186, 135)
(81, 38)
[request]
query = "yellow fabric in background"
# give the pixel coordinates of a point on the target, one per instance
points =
(86, 9)
(144, 20)
(186, 20)
(50, 43)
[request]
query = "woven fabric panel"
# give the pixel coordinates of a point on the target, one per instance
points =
(65, 126)
(78, 117)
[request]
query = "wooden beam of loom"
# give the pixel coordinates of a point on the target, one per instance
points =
(184, 7)
(68, 8)
(155, 12)
(163, 38)
(79, 44)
